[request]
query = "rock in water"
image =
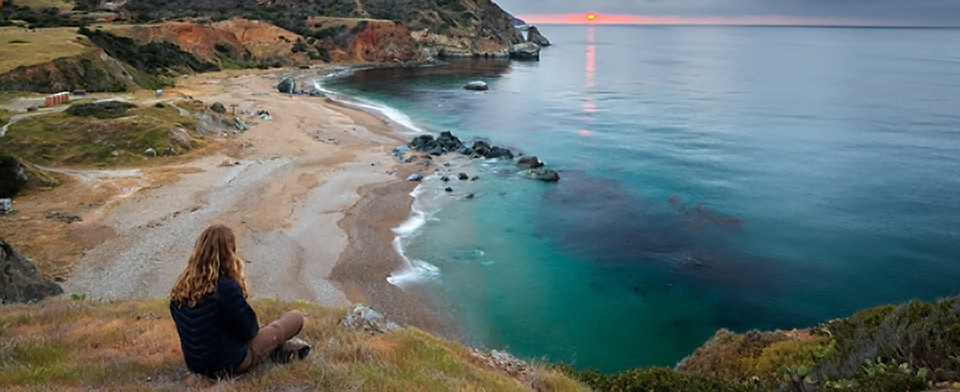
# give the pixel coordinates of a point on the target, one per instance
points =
(287, 85)
(543, 174)
(481, 148)
(531, 162)
(500, 152)
(218, 107)
(533, 35)
(477, 86)
(525, 51)
(19, 279)
(463, 177)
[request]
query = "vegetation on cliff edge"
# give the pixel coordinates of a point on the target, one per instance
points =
(78, 344)
(910, 347)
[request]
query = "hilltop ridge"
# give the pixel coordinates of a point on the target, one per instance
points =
(126, 45)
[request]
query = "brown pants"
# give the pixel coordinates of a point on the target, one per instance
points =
(270, 338)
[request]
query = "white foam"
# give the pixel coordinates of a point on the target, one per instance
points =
(384, 110)
(413, 271)
(410, 226)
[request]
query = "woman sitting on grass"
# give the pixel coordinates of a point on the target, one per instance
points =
(219, 334)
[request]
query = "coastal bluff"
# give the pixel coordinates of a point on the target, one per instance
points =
(124, 46)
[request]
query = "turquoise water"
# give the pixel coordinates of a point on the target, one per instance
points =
(713, 177)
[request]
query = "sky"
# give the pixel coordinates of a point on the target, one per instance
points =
(816, 12)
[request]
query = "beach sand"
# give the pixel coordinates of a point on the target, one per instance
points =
(312, 195)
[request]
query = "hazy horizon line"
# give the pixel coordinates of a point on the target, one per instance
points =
(718, 20)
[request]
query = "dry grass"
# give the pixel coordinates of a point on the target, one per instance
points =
(79, 345)
(20, 47)
(63, 5)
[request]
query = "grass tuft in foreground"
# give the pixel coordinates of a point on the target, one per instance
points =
(78, 344)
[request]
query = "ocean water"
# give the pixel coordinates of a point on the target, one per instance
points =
(712, 177)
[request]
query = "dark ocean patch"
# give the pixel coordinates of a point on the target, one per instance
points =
(599, 221)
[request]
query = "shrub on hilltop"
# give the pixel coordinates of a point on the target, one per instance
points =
(12, 176)
(887, 348)
(656, 378)
(107, 109)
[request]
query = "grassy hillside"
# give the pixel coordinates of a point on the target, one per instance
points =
(24, 47)
(81, 138)
(75, 344)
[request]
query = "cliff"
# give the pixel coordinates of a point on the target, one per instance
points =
(184, 36)
(440, 27)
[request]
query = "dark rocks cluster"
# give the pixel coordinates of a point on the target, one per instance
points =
(288, 85)
(447, 143)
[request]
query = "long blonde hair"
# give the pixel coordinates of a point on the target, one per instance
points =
(214, 255)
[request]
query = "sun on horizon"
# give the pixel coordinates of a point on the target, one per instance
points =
(591, 16)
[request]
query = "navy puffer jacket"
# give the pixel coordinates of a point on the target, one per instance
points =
(214, 333)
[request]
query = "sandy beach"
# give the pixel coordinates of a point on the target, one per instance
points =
(312, 195)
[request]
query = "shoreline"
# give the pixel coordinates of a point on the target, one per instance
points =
(313, 196)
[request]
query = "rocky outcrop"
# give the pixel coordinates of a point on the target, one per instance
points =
(363, 319)
(525, 51)
(533, 35)
(481, 29)
(19, 279)
(447, 143)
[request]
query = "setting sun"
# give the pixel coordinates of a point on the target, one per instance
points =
(591, 16)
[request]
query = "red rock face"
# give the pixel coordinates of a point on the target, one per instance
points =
(383, 41)
(262, 39)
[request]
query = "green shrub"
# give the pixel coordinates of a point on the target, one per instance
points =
(108, 109)
(654, 379)
(12, 178)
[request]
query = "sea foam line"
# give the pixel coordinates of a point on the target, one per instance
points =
(413, 270)
(384, 110)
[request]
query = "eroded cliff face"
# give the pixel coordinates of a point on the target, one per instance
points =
(384, 41)
(95, 72)
(349, 40)
(239, 38)
(452, 28)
